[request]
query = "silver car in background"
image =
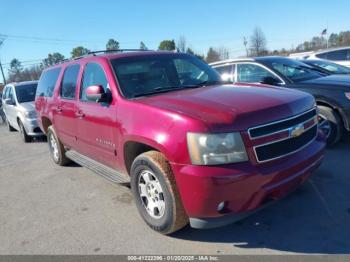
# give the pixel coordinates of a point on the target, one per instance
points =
(18, 105)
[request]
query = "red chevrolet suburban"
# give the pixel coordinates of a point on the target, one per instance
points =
(193, 148)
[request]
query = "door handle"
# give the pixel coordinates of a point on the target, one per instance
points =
(58, 109)
(79, 114)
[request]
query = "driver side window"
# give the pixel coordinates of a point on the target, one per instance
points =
(251, 73)
(93, 75)
(10, 94)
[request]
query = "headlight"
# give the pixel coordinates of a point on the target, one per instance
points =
(30, 114)
(216, 149)
(347, 95)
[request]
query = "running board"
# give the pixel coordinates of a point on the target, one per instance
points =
(98, 168)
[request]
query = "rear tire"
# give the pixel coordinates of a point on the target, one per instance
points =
(331, 124)
(22, 130)
(159, 186)
(56, 148)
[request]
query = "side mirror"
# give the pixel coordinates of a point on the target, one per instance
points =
(10, 102)
(269, 80)
(97, 94)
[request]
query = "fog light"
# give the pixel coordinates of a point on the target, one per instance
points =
(221, 206)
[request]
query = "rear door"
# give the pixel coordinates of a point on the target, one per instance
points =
(96, 122)
(64, 114)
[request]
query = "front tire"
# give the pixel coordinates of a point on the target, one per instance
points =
(331, 125)
(157, 198)
(24, 135)
(56, 148)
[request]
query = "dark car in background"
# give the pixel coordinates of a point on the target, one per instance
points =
(327, 67)
(332, 92)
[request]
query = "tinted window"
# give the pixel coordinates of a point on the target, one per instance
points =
(338, 55)
(250, 73)
(25, 93)
(93, 75)
(187, 72)
(69, 82)
(47, 82)
(147, 75)
(331, 67)
(323, 56)
(294, 70)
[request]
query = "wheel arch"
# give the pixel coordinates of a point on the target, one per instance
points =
(134, 147)
(322, 102)
(45, 122)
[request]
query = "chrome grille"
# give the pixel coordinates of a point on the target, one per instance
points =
(298, 131)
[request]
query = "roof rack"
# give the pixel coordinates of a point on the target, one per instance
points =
(117, 51)
(93, 53)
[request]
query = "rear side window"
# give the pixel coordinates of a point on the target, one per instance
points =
(93, 75)
(323, 55)
(69, 82)
(338, 55)
(47, 82)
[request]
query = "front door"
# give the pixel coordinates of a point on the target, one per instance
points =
(96, 122)
(10, 110)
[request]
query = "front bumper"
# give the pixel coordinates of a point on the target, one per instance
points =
(32, 128)
(244, 187)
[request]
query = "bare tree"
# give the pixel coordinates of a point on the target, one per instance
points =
(182, 44)
(258, 42)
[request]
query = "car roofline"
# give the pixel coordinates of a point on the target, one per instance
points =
(330, 50)
(228, 61)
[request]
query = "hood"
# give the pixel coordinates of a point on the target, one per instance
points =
(224, 105)
(342, 81)
(28, 106)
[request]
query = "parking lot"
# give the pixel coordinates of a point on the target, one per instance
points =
(47, 209)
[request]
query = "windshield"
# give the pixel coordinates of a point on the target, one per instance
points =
(152, 74)
(26, 93)
(331, 67)
(294, 70)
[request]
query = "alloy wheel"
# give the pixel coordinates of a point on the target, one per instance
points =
(151, 194)
(54, 147)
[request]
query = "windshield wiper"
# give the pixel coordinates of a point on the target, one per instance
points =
(159, 90)
(207, 83)
(164, 89)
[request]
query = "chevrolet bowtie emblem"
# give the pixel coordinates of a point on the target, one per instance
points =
(296, 131)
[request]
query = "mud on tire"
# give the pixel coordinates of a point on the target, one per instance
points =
(174, 216)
